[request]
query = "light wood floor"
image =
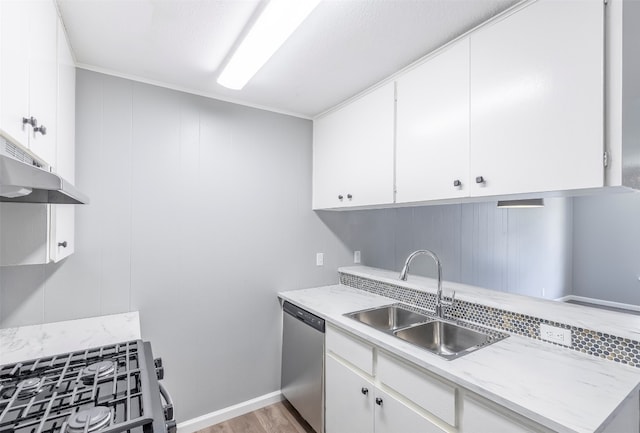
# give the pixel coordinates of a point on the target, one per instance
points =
(277, 418)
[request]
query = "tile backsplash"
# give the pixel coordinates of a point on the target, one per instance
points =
(591, 342)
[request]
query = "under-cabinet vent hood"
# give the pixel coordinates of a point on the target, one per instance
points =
(25, 182)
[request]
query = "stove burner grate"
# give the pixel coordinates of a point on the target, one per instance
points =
(98, 370)
(100, 390)
(89, 420)
(24, 389)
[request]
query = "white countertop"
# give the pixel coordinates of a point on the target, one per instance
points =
(609, 322)
(35, 341)
(562, 389)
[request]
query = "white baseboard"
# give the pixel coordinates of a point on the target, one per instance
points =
(227, 413)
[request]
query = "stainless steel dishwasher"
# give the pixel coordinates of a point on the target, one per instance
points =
(303, 363)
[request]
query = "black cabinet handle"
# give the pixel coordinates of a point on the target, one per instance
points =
(364, 390)
(41, 129)
(62, 244)
(457, 183)
(479, 179)
(379, 401)
(340, 197)
(349, 196)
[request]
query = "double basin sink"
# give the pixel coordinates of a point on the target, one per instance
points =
(446, 339)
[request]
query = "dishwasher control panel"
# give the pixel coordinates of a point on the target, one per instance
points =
(304, 316)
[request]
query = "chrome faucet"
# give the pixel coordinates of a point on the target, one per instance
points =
(405, 272)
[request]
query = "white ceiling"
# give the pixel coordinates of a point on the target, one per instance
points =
(342, 48)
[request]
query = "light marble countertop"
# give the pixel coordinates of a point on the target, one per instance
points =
(35, 341)
(561, 389)
(609, 322)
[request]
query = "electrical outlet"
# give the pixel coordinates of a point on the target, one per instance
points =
(555, 334)
(356, 257)
(320, 259)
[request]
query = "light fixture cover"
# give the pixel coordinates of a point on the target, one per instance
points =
(527, 203)
(278, 20)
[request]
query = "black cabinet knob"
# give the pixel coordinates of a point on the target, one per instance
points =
(364, 390)
(62, 244)
(41, 129)
(457, 183)
(349, 196)
(30, 121)
(340, 197)
(379, 401)
(479, 179)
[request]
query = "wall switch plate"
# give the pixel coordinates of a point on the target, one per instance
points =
(356, 257)
(320, 259)
(555, 334)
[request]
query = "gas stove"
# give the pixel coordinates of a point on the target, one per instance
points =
(108, 389)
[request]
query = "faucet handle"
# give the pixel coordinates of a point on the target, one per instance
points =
(451, 302)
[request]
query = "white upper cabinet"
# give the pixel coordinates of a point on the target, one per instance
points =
(353, 153)
(38, 233)
(14, 70)
(537, 99)
(29, 75)
(432, 148)
(62, 243)
(43, 81)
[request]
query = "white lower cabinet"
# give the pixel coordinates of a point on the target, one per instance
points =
(393, 415)
(369, 390)
(349, 400)
(355, 404)
(359, 401)
(398, 397)
(481, 418)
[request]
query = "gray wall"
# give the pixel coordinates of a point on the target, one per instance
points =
(200, 212)
(606, 233)
(525, 251)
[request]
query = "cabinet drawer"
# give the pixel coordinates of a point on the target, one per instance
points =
(393, 416)
(351, 349)
(480, 417)
(431, 394)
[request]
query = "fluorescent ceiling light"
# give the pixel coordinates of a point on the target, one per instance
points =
(279, 19)
(533, 202)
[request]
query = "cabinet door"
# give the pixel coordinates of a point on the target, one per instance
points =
(348, 400)
(62, 232)
(353, 153)
(537, 99)
(63, 215)
(393, 416)
(43, 83)
(14, 70)
(432, 148)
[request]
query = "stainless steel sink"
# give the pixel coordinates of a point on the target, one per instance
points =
(444, 338)
(388, 318)
(447, 339)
